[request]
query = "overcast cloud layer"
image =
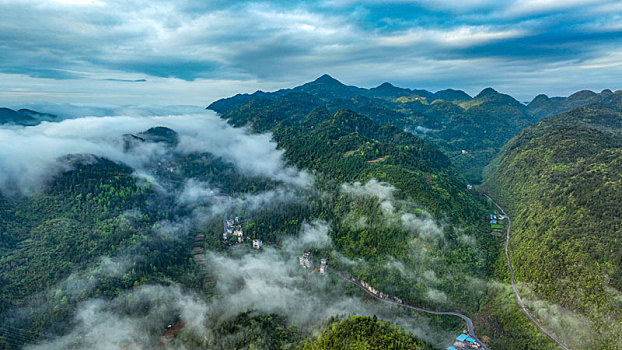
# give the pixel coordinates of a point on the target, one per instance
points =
(192, 52)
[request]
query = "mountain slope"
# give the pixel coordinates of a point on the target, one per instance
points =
(363, 332)
(561, 180)
(542, 106)
(450, 119)
(319, 139)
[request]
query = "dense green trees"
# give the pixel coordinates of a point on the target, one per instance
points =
(561, 181)
(364, 333)
(344, 147)
(450, 119)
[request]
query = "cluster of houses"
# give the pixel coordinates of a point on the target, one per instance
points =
(495, 218)
(167, 167)
(233, 228)
(463, 342)
(234, 231)
(306, 261)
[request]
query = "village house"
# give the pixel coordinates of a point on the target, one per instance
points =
(257, 243)
(464, 341)
(233, 227)
(323, 265)
(306, 260)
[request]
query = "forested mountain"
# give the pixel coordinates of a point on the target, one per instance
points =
(490, 119)
(363, 332)
(98, 232)
(129, 221)
(348, 146)
(24, 116)
(470, 131)
(344, 146)
(53, 244)
(542, 106)
(561, 181)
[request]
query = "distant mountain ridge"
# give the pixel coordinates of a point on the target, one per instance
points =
(542, 106)
(24, 117)
(470, 130)
(327, 88)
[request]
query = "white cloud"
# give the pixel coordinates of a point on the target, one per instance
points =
(193, 53)
(532, 7)
(30, 155)
(396, 212)
(463, 36)
(77, 2)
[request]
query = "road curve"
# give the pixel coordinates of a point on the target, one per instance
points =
(392, 300)
(518, 298)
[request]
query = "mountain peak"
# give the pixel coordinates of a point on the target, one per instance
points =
(385, 85)
(328, 88)
(327, 79)
(452, 95)
(486, 92)
(540, 98)
(539, 101)
(583, 95)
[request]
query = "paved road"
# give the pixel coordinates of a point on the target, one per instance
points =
(518, 298)
(395, 301)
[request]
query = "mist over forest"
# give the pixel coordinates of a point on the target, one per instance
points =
(178, 207)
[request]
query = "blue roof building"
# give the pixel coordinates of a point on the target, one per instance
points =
(464, 337)
(451, 348)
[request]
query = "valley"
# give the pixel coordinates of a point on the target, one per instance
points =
(310, 175)
(190, 227)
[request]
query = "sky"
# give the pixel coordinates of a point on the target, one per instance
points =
(194, 52)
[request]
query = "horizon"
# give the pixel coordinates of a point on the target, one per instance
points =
(100, 109)
(183, 53)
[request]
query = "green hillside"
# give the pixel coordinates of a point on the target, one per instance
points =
(542, 106)
(390, 183)
(365, 333)
(345, 146)
(561, 181)
(253, 330)
(92, 233)
(53, 241)
(450, 119)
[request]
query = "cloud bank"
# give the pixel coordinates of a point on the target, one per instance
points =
(268, 281)
(32, 155)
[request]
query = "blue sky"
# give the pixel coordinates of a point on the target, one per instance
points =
(193, 52)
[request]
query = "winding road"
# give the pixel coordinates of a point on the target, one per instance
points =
(395, 301)
(518, 298)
